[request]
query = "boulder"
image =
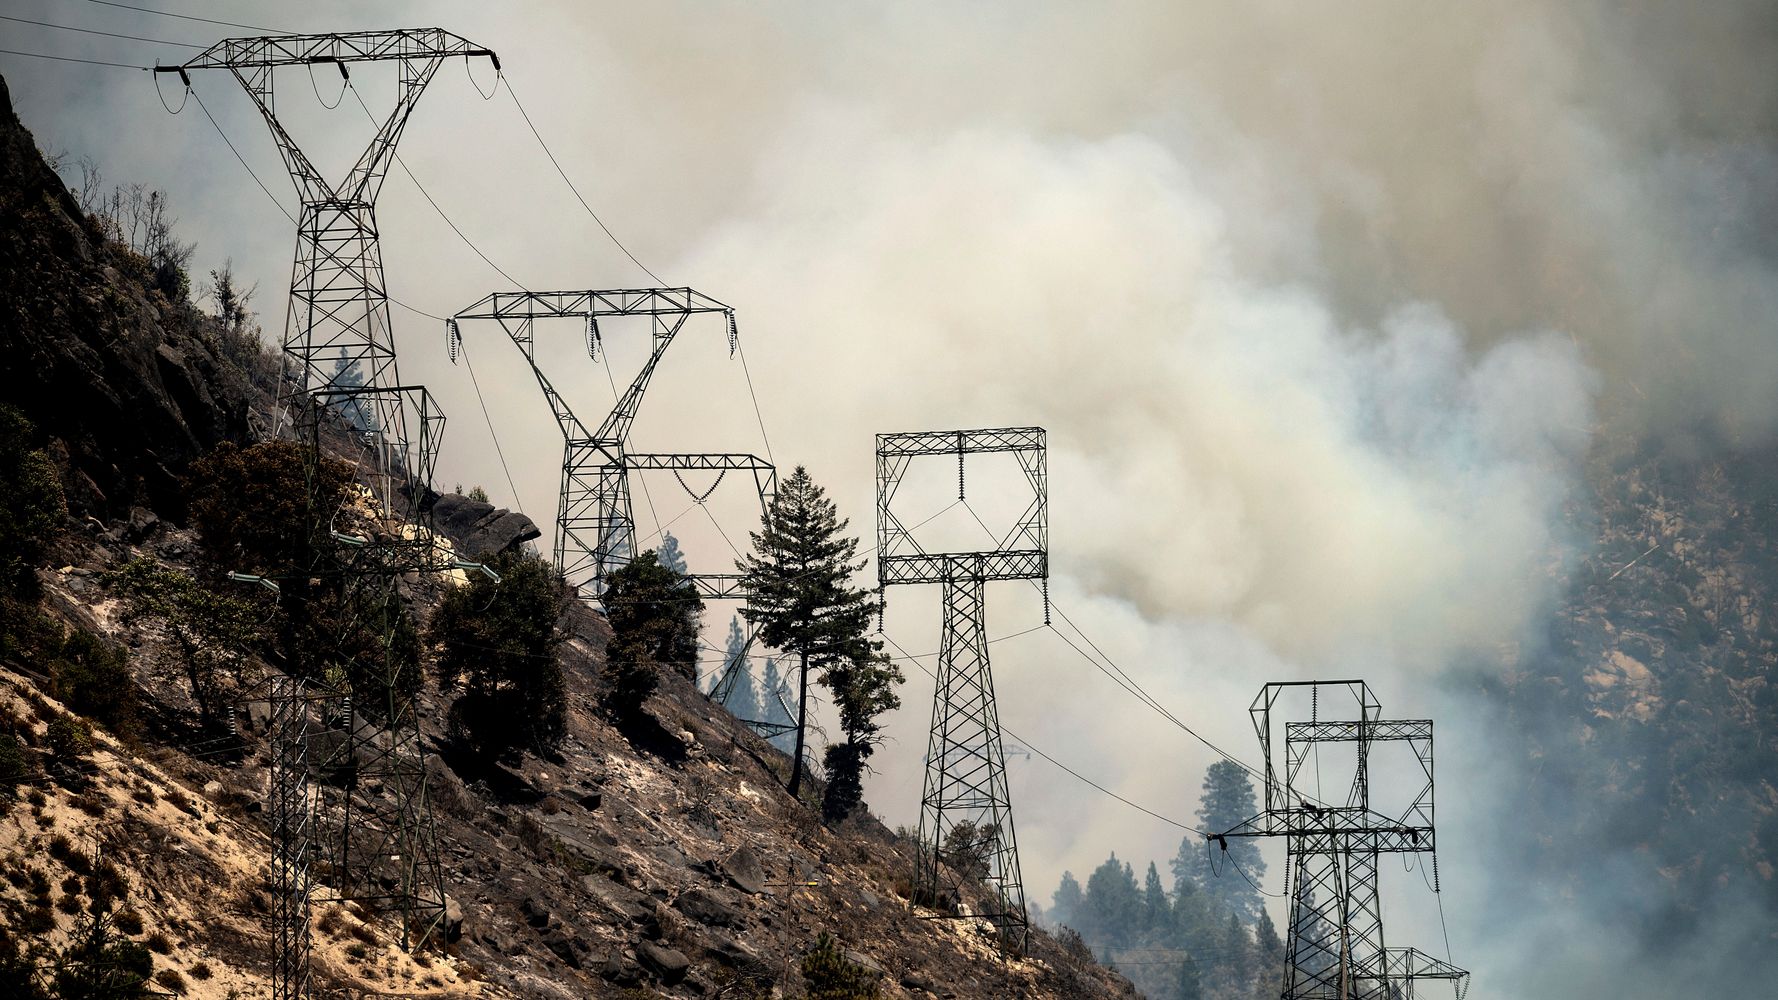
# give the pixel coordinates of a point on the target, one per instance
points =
(453, 919)
(744, 870)
(564, 946)
(626, 903)
(620, 969)
(667, 964)
(706, 908)
(479, 529)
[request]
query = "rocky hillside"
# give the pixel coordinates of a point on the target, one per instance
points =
(659, 860)
(1647, 717)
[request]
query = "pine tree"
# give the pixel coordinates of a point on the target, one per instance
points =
(1113, 904)
(1227, 802)
(1191, 986)
(654, 624)
(1067, 902)
(800, 595)
(743, 699)
(1156, 914)
(669, 555)
(774, 697)
(1268, 949)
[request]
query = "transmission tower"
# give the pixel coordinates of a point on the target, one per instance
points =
(966, 826)
(1335, 947)
(595, 520)
(342, 386)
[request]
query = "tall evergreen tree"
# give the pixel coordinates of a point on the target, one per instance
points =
(1113, 904)
(669, 555)
(1067, 902)
(1267, 946)
(1191, 985)
(800, 594)
(743, 699)
(1156, 914)
(1228, 801)
(775, 696)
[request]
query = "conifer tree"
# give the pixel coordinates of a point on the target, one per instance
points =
(1227, 802)
(669, 555)
(743, 699)
(800, 594)
(1191, 986)
(1067, 901)
(1156, 914)
(1113, 904)
(654, 625)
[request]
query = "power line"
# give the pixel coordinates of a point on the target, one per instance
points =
(498, 451)
(577, 196)
(188, 17)
(1039, 751)
(95, 31)
(71, 59)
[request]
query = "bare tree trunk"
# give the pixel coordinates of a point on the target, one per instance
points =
(802, 719)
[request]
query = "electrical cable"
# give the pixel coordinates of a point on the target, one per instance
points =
(577, 196)
(95, 31)
(71, 59)
(188, 17)
(1039, 752)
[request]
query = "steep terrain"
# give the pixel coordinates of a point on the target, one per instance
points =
(661, 860)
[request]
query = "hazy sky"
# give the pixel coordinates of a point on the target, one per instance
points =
(1321, 304)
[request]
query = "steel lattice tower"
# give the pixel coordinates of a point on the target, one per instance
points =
(341, 383)
(595, 518)
(290, 813)
(1335, 947)
(965, 780)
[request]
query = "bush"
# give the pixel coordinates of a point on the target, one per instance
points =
(251, 505)
(93, 678)
(496, 642)
(69, 740)
(212, 631)
(829, 975)
(170, 979)
(15, 767)
(32, 508)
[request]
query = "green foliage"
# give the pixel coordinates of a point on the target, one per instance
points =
(251, 505)
(212, 631)
(478, 494)
(497, 643)
(654, 624)
(93, 677)
(829, 975)
(15, 766)
(668, 554)
(801, 599)
(1227, 801)
(69, 740)
(32, 508)
(1113, 905)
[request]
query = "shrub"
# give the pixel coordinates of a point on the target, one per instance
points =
(497, 643)
(93, 678)
(32, 508)
(70, 741)
(159, 943)
(212, 631)
(15, 767)
(829, 975)
(171, 980)
(251, 505)
(200, 971)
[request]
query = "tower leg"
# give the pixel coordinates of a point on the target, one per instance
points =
(290, 811)
(966, 826)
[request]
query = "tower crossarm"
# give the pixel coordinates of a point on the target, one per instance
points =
(1340, 827)
(669, 308)
(332, 47)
